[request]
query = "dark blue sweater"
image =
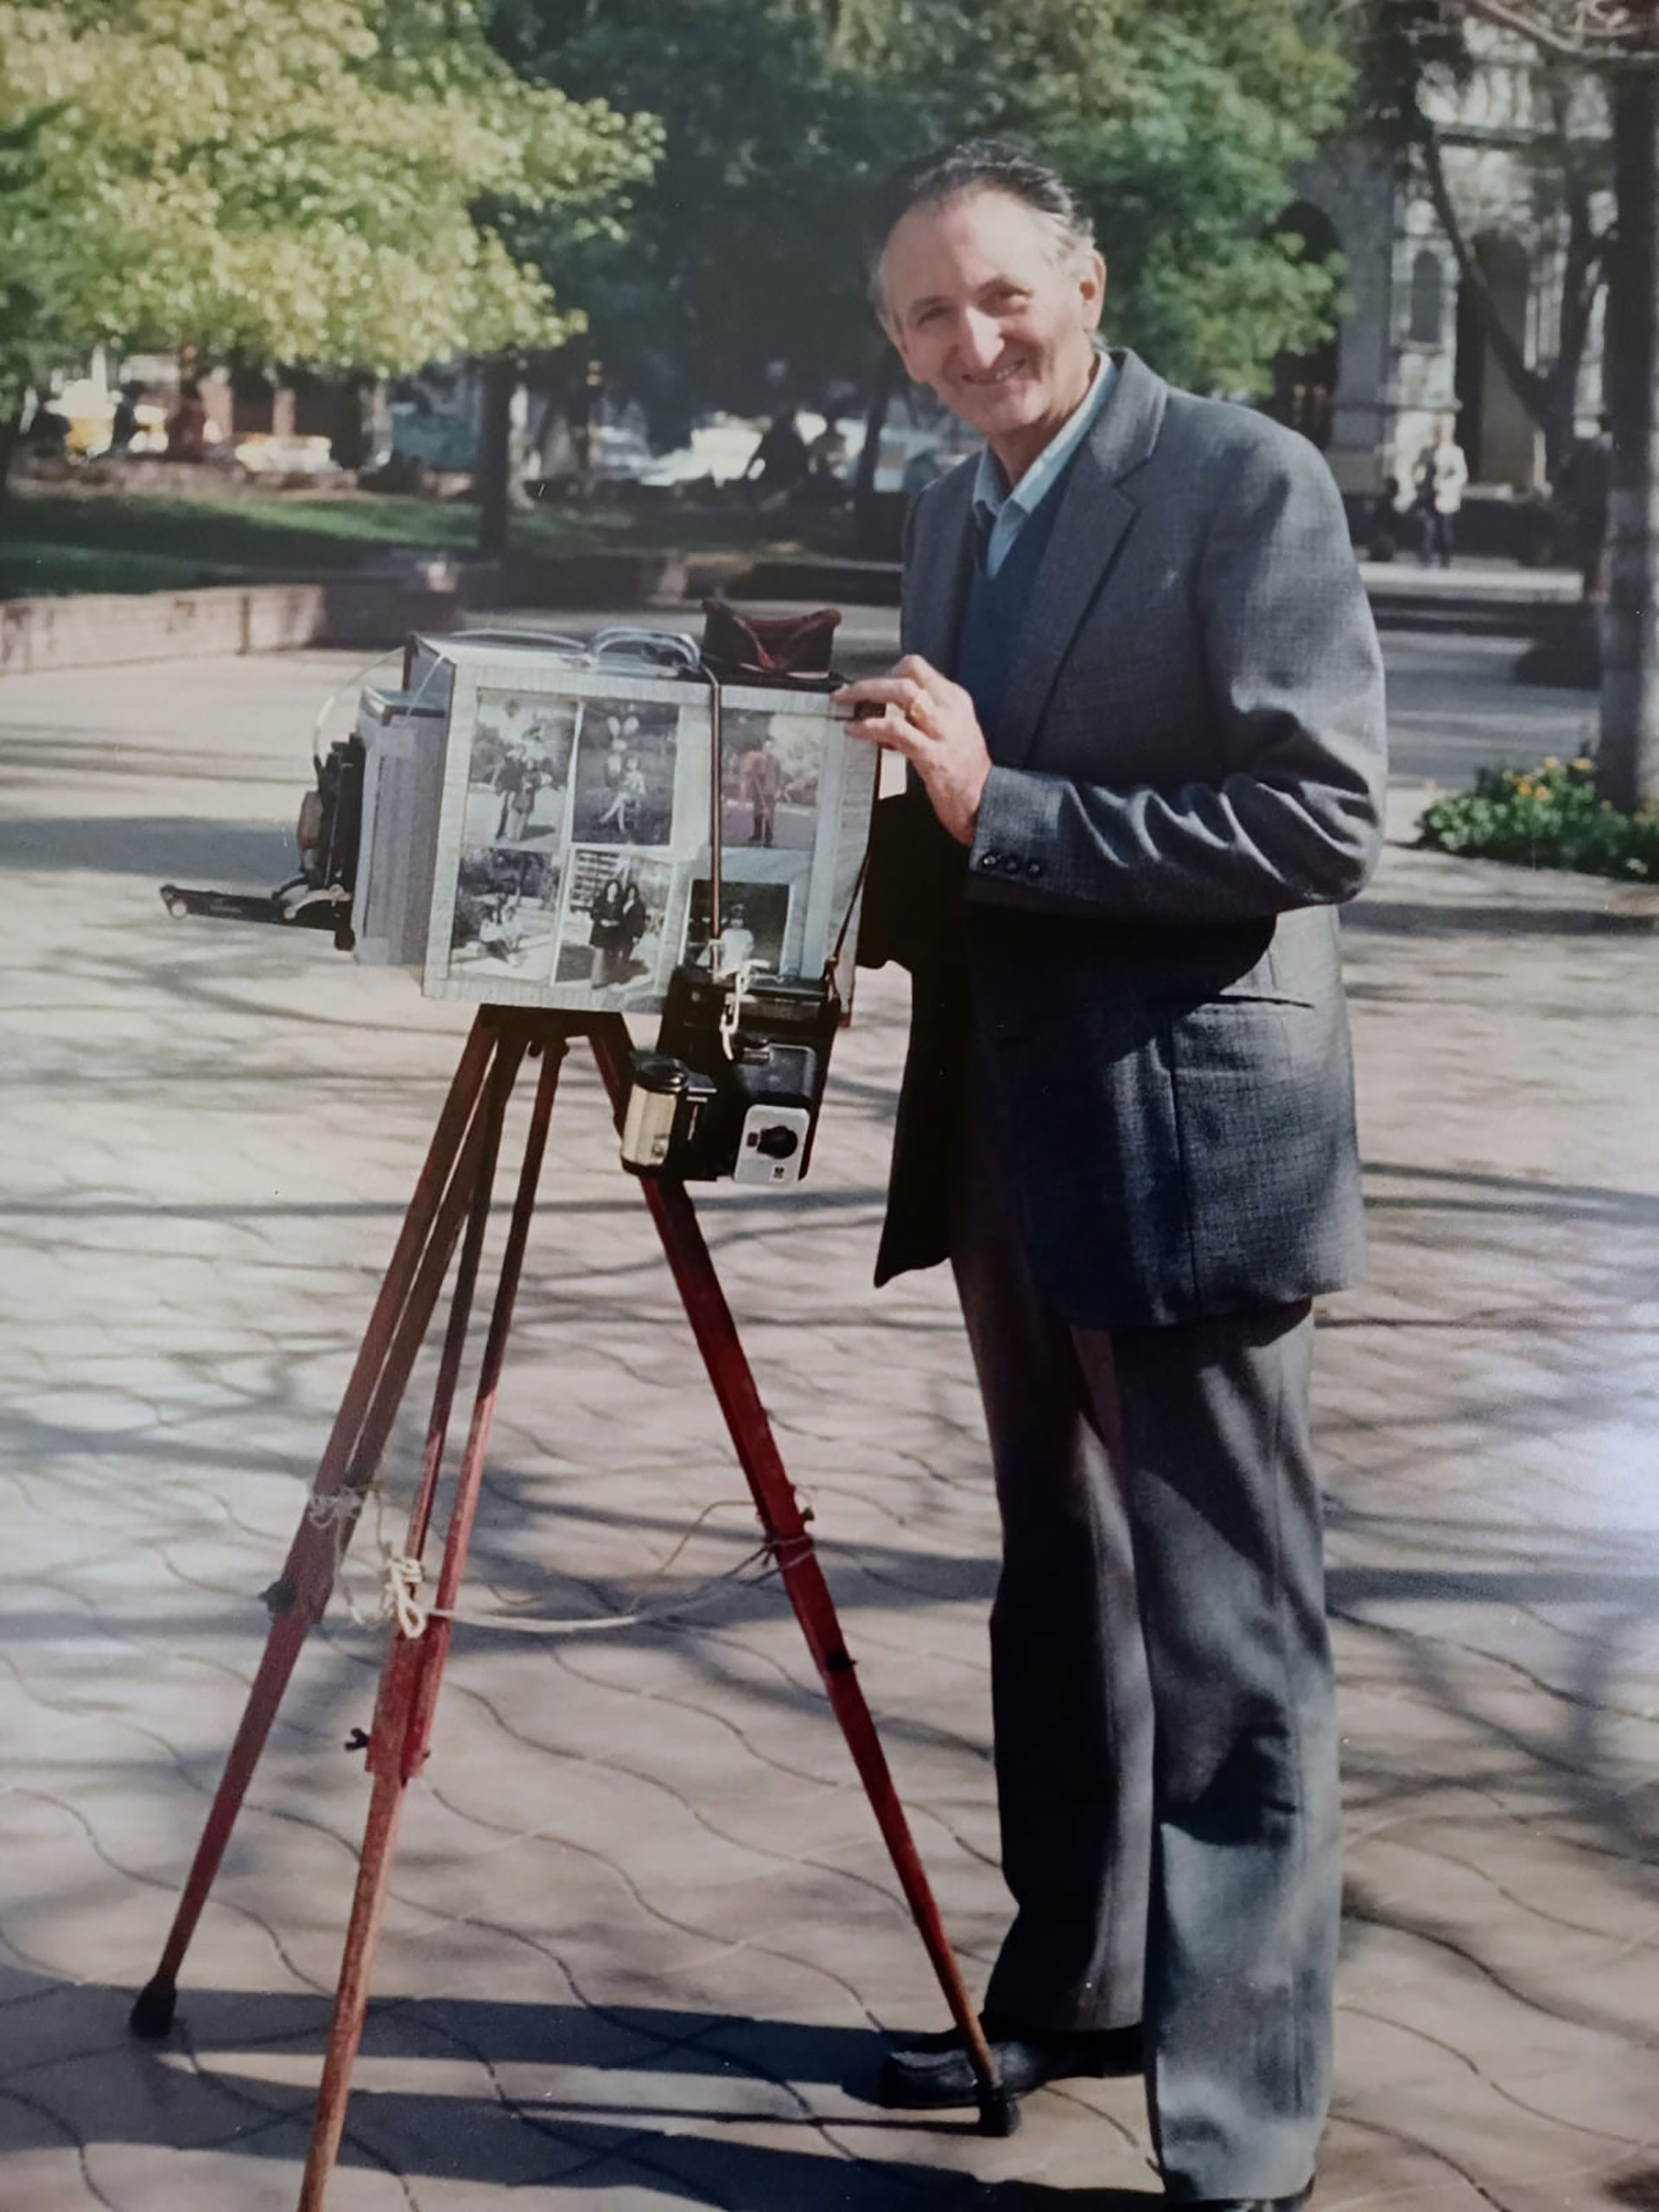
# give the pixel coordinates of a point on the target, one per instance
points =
(994, 611)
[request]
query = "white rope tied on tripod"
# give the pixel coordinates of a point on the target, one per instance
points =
(400, 1597)
(338, 1509)
(402, 1575)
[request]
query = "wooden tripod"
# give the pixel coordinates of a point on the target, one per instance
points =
(451, 1204)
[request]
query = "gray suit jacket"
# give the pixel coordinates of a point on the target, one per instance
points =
(1136, 967)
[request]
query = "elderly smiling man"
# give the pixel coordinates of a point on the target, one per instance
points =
(1141, 704)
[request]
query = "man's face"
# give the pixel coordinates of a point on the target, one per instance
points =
(982, 310)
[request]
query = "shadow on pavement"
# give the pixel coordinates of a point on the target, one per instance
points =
(592, 2142)
(1397, 918)
(172, 848)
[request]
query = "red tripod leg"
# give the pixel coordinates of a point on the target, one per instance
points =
(781, 1516)
(413, 1669)
(396, 1325)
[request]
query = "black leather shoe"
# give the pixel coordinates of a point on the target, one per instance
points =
(935, 2070)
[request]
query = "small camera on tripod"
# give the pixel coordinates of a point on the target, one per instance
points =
(734, 1083)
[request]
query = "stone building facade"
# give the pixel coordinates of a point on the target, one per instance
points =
(1411, 347)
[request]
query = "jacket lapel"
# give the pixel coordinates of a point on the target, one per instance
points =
(1094, 513)
(935, 567)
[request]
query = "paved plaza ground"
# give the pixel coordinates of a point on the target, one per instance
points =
(643, 1932)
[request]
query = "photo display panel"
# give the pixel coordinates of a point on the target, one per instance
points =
(572, 867)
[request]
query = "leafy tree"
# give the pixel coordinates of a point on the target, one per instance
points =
(739, 283)
(736, 284)
(287, 184)
(1178, 123)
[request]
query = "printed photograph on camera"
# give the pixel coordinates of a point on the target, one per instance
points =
(623, 790)
(614, 936)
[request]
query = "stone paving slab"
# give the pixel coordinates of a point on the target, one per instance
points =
(642, 1928)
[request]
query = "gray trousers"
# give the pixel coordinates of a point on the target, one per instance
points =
(1163, 1704)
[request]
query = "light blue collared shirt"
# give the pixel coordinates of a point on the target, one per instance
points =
(1005, 514)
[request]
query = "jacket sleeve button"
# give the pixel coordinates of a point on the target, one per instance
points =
(1011, 865)
(1034, 868)
(990, 860)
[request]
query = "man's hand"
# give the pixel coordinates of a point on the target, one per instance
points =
(931, 722)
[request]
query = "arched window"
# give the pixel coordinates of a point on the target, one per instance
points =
(1428, 299)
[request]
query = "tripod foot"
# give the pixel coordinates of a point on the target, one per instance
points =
(152, 2009)
(999, 2111)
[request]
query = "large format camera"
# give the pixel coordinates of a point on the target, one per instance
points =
(435, 777)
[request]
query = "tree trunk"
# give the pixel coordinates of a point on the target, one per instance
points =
(1526, 384)
(492, 477)
(11, 420)
(1628, 758)
(866, 526)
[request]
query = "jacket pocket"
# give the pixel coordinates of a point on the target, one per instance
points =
(1263, 1102)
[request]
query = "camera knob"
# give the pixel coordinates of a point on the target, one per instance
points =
(777, 1142)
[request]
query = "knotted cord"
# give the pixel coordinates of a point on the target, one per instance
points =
(402, 1575)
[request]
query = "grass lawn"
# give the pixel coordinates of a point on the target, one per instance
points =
(55, 542)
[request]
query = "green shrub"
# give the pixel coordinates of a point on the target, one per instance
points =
(1547, 817)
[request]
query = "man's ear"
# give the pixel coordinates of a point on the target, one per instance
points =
(1093, 284)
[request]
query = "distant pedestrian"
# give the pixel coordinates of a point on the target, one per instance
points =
(48, 432)
(123, 426)
(1383, 541)
(186, 426)
(783, 460)
(1584, 486)
(1442, 473)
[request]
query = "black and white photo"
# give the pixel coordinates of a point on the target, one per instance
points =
(771, 767)
(506, 913)
(754, 924)
(612, 939)
(623, 790)
(520, 770)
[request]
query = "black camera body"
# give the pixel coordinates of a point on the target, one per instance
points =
(734, 1083)
(326, 835)
(330, 826)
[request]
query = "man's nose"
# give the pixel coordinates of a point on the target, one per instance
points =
(981, 339)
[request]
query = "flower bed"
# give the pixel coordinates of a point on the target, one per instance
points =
(1547, 817)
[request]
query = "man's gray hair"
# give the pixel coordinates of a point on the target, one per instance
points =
(974, 165)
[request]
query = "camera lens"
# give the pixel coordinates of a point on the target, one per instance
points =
(777, 1142)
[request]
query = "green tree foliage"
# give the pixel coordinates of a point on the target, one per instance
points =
(737, 283)
(1180, 121)
(287, 184)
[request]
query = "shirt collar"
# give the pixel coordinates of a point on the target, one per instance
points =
(990, 498)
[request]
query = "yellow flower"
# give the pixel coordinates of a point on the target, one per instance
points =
(1523, 787)
(1550, 761)
(1583, 764)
